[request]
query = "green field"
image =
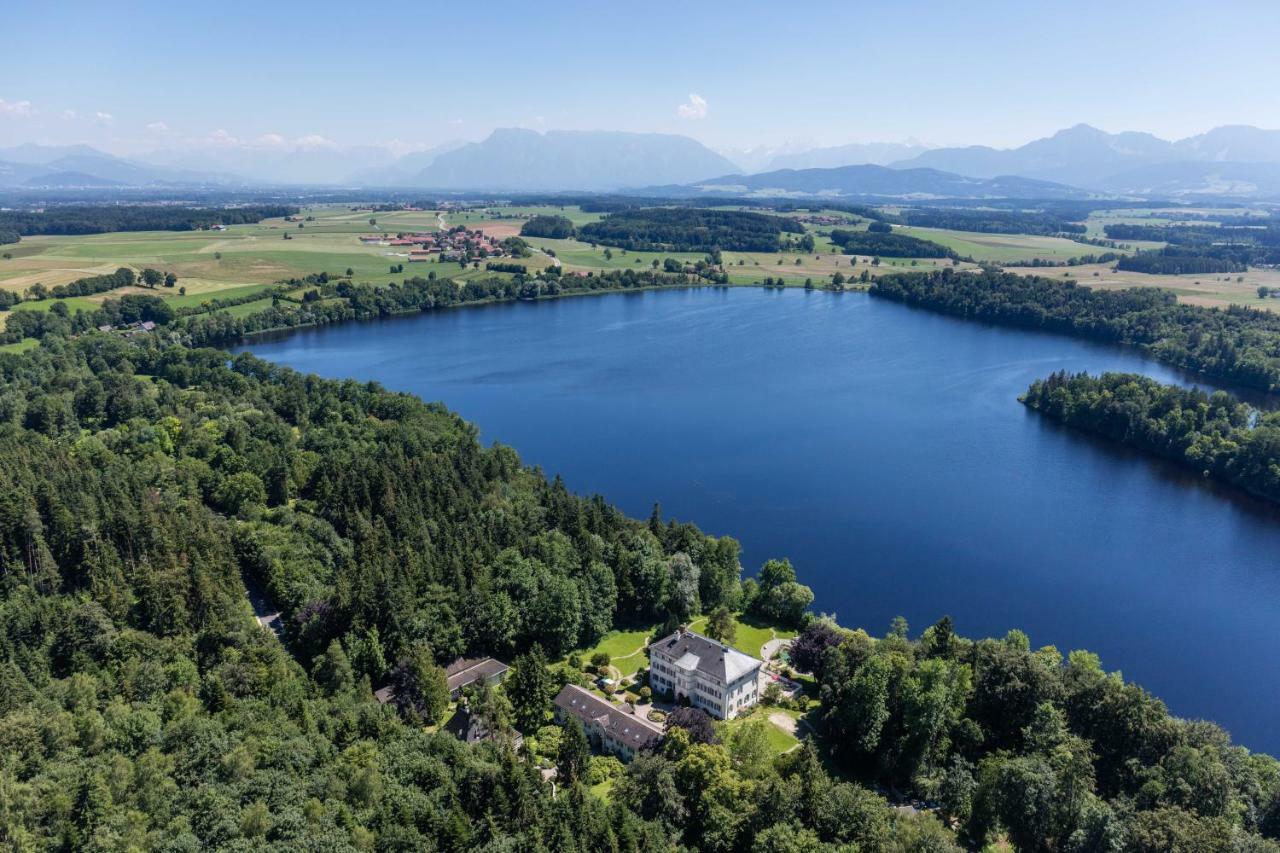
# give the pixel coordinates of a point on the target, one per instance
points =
(1003, 248)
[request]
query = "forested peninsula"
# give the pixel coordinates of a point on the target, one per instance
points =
(1239, 345)
(1214, 434)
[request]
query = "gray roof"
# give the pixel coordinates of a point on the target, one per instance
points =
(692, 651)
(621, 721)
(464, 671)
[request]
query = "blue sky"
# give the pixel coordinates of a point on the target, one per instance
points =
(132, 77)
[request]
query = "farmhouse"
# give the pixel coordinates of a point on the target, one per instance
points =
(419, 256)
(713, 676)
(465, 671)
(615, 729)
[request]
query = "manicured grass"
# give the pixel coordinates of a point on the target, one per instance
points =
(779, 741)
(624, 648)
(750, 635)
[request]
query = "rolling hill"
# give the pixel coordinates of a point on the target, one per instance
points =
(870, 181)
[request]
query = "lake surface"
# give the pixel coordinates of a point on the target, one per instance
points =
(882, 449)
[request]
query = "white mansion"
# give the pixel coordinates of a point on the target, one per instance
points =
(715, 677)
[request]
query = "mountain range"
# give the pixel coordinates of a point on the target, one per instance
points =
(869, 181)
(1232, 161)
(525, 160)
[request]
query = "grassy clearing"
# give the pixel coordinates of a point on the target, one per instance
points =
(603, 789)
(21, 346)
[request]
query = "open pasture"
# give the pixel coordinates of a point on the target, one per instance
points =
(1218, 290)
(1002, 248)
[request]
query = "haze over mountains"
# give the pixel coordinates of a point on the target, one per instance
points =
(1232, 161)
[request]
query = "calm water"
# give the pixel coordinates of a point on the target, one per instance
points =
(883, 450)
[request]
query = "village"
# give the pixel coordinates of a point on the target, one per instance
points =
(455, 244)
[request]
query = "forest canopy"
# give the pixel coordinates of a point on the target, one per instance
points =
(1237, 344)
(684, 229)
(101, 219)
(888, 244)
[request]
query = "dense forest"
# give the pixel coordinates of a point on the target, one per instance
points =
(100, 219)
(683, 229)
(1173, 261)
(1197, 248)
(1240, 345)
(992, 221)
(1214, 434)
(544, 225)
(1053, 754)
(141, 489)
(888, 244)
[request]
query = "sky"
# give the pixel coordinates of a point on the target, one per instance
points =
(138, 77)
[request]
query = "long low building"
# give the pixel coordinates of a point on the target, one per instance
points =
(712, 676)
(465, 671)
(610, 728)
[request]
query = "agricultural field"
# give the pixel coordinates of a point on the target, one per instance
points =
(1209, 290)
(232, 263)
(1002, 248)
(1099, 219)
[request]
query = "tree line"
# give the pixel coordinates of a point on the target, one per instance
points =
(1214, 434)
(993, 221)
(888, 244)
(106, 218)
(684, 229)
(1052, 753)
(1236, 344)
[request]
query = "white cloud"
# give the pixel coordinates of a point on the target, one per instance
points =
(315, 140)
(222, 138)
(158, 127)
(15, 108)
(271, 140)
(454, 121)
(103, 118)
(696, 108)
(68, 115)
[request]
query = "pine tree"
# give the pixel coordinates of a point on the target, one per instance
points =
(529, 688)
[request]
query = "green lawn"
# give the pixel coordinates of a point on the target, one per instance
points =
(1002, 248)
(625, 649)
(21, 346)
(779, 740)
(603, 789)
(750, 635)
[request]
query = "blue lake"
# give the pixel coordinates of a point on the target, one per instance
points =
(883, 450)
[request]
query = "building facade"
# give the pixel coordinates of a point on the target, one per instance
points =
(713, 676)
(615, 729)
